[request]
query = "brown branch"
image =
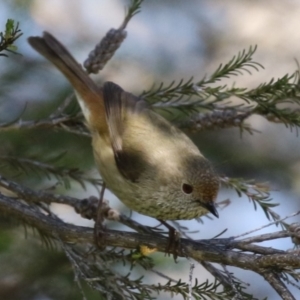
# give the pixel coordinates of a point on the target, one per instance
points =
(59, 122)
(217, 251)
(284, 260)
(217, 274)
(90, 205)
(268, 237)
(278, 285)
(30, 195)
(221, 251)
(256, 249)
(219, 117)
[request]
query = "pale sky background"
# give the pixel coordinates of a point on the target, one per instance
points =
(173, 40)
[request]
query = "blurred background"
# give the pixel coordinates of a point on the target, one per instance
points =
(169, 40)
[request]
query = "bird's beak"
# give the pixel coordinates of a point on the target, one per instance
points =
(211, 208)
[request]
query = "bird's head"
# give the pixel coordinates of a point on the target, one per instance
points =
(200, 183)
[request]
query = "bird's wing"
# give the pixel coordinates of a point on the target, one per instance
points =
(120, 105)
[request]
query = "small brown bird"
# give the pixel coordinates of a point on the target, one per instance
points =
(152, 166)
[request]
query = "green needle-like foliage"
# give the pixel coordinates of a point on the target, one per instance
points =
(8, 38)
(189, 98)
(63, 175)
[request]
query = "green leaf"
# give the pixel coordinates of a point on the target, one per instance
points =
(9, 28)
(12, 47)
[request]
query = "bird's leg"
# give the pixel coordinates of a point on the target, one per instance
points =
(99, 228)
(174, 240)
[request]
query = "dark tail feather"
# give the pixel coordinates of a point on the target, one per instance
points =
(54, 51)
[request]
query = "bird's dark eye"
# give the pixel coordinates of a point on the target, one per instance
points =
(187, 189)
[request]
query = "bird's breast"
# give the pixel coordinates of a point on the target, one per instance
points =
(158, 192)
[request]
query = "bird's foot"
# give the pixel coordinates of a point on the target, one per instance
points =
(173, 246)
(99, 228)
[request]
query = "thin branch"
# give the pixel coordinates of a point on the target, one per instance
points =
(237, 294)
(192, 267)
(218, 118)
(76, 269)
(267, 237)
(269, 224)
(255, 249)
(278, 285)
(58, 122)
(30, 195)
(46, 169)
(217, 274)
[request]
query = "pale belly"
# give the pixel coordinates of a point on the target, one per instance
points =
(152, 200)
